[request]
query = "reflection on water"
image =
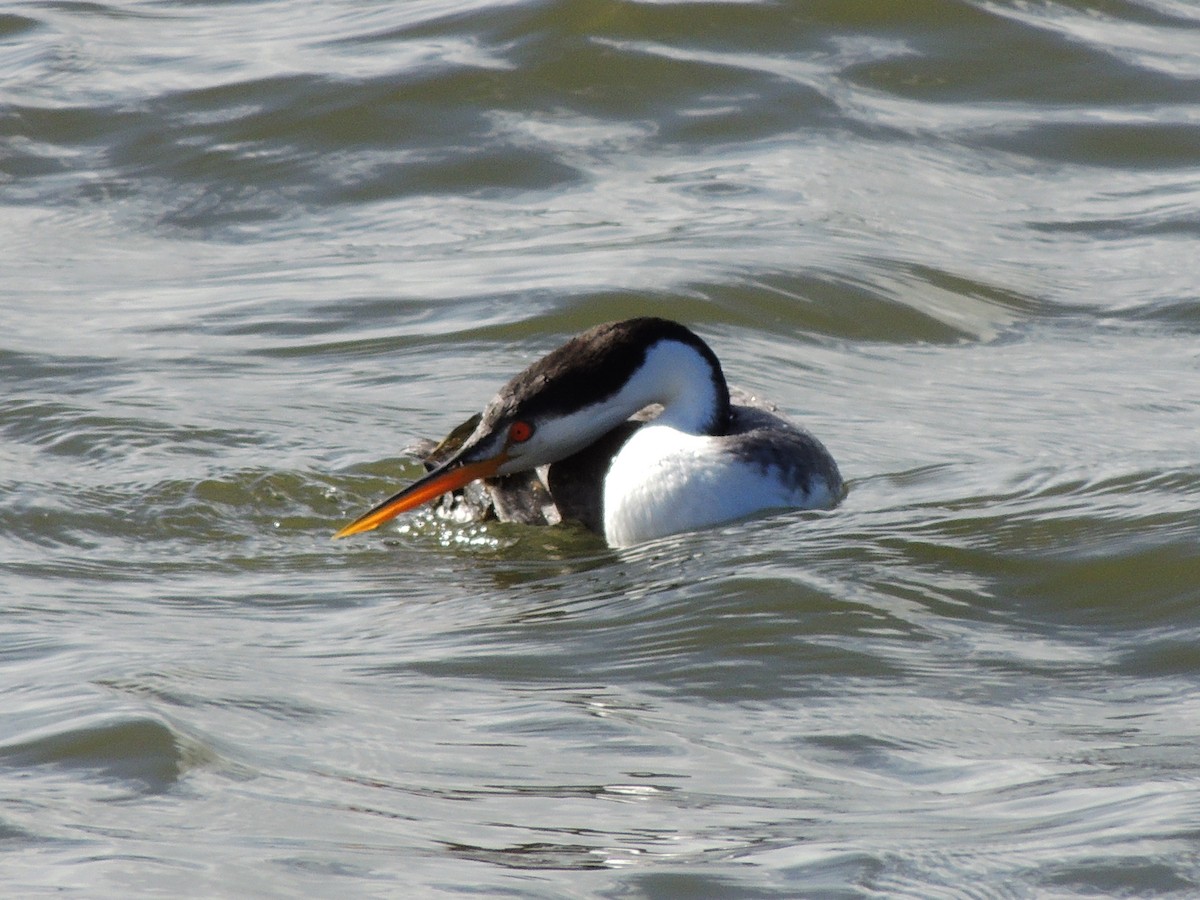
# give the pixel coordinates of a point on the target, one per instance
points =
(253, 251)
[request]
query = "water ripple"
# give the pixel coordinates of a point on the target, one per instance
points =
(252, 251)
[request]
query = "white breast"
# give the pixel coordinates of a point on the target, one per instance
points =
(665, 481)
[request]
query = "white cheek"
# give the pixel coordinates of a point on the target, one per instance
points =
(539, 450)
(521, 457)
(557, 439)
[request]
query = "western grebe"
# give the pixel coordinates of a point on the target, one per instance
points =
(628, 428)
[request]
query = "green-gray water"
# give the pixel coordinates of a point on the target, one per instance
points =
(251, 250)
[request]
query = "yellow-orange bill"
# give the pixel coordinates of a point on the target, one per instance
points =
(440, 481)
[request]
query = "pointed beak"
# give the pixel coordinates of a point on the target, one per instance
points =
(445, 478)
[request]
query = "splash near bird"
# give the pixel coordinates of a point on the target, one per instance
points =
(628, 428)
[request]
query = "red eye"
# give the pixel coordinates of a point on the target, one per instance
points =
(519, 432)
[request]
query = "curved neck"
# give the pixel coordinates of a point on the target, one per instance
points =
(618, 369)
(686, 381)
(681, 377)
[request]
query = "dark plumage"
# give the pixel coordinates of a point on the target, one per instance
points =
(571, 490)
(628, 428)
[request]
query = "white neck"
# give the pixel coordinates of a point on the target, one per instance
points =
(672, 374)
(678, 377)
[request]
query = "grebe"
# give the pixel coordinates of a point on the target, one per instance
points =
(575, 436)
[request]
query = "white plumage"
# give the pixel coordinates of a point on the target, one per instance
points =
(581, 416)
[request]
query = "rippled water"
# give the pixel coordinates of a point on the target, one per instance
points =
(251, 250)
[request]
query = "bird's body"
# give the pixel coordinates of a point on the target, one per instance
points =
(629, 429)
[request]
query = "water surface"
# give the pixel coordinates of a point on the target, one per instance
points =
(253, 249)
